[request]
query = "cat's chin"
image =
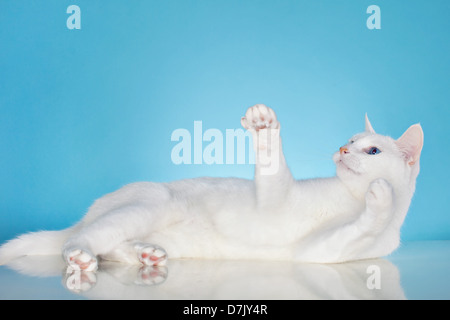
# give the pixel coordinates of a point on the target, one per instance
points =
(342, 167)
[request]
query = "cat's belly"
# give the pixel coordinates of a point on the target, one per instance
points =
(229, 231)
(212, 218)
(205, 241)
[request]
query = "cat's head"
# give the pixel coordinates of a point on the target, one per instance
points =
(368, 156)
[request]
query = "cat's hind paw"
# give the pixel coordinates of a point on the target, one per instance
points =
(152, 255)
(260, 117)
(80, 260)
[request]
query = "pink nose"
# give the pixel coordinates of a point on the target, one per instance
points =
(343, 150)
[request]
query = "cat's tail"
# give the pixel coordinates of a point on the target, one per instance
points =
(34, 243)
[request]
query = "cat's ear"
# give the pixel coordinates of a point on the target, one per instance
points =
(368, 125)
(411, 143)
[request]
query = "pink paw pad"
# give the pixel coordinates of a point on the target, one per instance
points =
(82, 261)
(153, 256)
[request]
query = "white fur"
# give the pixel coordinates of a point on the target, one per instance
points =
(355, 215)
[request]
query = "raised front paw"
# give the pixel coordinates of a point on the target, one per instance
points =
(379, 197)
(260, 117)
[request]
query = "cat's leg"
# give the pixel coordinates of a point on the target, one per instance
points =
(273, 178)
(377, 221)
(150, 254)
(359, 239)
(107, 233)
(80, 259)
(379, 207)
(364, 239)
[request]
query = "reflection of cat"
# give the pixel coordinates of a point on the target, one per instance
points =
(355, 215)
(217, 279)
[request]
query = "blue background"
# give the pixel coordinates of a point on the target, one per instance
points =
(83, 112)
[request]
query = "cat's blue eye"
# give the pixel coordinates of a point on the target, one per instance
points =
(373, 150)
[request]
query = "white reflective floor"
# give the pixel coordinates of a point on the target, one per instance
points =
(418, 270)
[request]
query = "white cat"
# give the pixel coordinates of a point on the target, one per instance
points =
(355, 215)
